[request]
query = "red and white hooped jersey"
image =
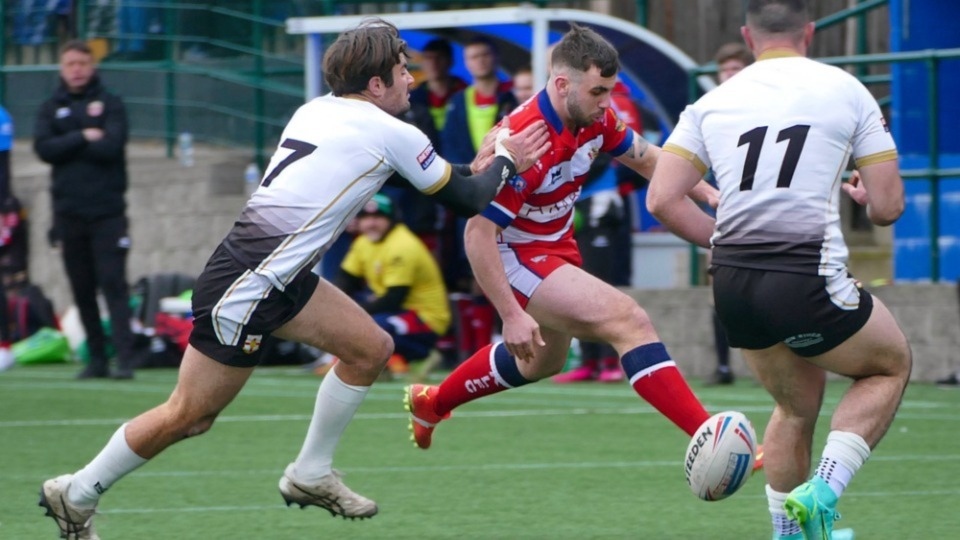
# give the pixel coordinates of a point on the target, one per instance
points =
(535, 208)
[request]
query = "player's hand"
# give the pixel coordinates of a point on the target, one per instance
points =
(704, 193)
(527, 146)
(854, 188)
(521, 336)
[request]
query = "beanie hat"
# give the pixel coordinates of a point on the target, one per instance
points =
(379, 204)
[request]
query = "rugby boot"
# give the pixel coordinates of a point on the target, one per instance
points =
(813, 505)
(419, 399)
(329, 493)
(74, 523)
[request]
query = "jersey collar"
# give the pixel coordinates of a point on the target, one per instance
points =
(770, 54)
(549, 113)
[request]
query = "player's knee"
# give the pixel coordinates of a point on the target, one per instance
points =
(381, 347)
(200, 426)
(628, 317)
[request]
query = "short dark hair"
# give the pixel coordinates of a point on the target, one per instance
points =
(482, 40)
(524, 68)
(439, 46)
(733, 51)
(581, 48)
(777, 16)
(370, 50)
(76, 45)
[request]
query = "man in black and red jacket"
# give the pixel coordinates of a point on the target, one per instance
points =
(82, 132)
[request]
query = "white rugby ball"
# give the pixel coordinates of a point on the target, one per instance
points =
(720, 456)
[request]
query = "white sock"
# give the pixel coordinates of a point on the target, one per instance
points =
(843, 456)
(782, 525)
(115, 461)
(336, 404)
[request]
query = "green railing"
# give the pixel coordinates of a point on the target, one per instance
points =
(257, 62)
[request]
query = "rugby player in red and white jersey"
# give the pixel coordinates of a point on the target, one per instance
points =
(526, 260)
(334, 155)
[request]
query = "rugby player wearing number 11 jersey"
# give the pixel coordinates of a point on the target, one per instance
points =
(334, 155)
(526, 260)
(779, 136)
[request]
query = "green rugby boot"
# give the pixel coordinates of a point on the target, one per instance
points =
(813, 505)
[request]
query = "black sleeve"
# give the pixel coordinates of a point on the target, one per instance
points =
(467, 196)
(462, 170)
(52, 147)
(115, 130)
(347, 282)
(391, 301)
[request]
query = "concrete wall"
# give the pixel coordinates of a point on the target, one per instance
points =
(179, 214)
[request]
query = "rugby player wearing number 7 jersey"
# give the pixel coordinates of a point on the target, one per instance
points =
(334, 155)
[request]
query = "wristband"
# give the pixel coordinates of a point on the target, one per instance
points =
(499, 149)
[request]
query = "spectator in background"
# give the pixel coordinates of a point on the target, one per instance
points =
(408, 298)
(6, 228)
(731, 59)
(523, 88)
(439, 85)
(475, 109)
(81, 131)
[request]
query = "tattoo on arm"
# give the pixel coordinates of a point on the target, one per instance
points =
(639, 147)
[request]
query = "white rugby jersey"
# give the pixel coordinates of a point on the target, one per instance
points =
(778, 136)
(333, 156)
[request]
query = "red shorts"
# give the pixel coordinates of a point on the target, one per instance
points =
(528, 266)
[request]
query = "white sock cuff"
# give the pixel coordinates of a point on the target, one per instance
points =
(775, 500)
(119, 441)
(334, 388)
(849, 449)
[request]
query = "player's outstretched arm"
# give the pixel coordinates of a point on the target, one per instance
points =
(512, 153)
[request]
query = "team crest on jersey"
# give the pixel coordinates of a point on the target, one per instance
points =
(252, 343)
(621, 126)
(426, 157)
(95, 108)
(517, 183)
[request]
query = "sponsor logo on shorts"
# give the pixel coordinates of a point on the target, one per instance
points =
(800, 341)
(252, 343)
(426, 157)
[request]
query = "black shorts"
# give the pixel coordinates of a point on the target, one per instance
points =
(234, 309)
(810, 314)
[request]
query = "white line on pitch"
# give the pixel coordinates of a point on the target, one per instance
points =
(419, 469)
